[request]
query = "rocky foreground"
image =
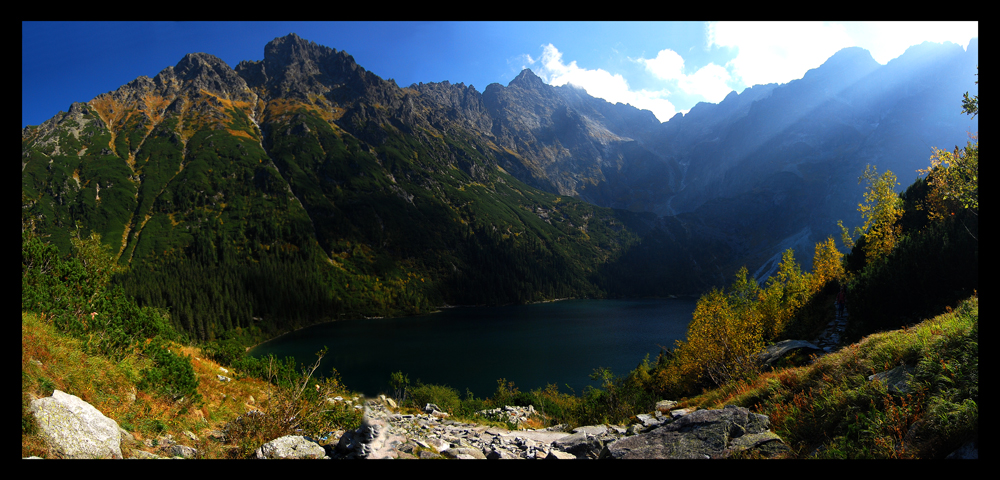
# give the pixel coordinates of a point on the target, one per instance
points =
(667, 433)
(74, 429)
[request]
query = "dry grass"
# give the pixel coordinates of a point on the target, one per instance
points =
(51, 360)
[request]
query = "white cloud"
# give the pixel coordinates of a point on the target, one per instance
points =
(599, 83)
(667, 65)
(765, 52)
(779, 52)
(710, 82)
(888, 40)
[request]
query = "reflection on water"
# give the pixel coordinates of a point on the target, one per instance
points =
(469, 348)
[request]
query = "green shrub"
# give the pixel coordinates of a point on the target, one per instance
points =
(171, 375)
(283, 373)
(299, 408)
(444, 397)
(225, 352)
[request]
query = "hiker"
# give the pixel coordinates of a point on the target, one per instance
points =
(841, 302)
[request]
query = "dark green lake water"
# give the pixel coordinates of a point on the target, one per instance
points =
(471, 347)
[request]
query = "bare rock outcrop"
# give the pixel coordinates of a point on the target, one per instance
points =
(73, 428)
(702, 434)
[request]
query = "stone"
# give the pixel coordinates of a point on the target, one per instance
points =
(595, 430)
(291, 446)
(497, 454)
(144, 455)
(464, 453)
(680, 412)
(557, 455)
(437, 444)
(73, 428)
(182, 451)
(775, 352)
(127, 437)
(897, 379)
(664, 406)
(374, 439)
(701, 435)
(647, 420)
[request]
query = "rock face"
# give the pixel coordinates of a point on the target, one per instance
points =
(703, 434)
(75, 429)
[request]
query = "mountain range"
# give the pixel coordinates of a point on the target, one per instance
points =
(305, 176)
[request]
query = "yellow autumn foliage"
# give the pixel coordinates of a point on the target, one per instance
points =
(827, 264)
(881, 209)
(724, 335)
(730, 327)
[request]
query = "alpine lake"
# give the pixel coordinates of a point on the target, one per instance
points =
(470, 348)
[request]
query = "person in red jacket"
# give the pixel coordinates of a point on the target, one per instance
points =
(841, 302)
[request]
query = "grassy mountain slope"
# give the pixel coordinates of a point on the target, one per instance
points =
(303, 188)
(833, 408)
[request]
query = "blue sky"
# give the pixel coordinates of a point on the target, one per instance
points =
(665, 67)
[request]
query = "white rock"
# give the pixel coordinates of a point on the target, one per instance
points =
(75, 429)
(291, 446)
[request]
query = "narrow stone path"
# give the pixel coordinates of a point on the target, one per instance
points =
(833, 334)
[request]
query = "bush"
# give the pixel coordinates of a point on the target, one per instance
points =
(171, 375)
(283, 373)
(225, 352)
(444, 397)
(74, 291)
(299, 408)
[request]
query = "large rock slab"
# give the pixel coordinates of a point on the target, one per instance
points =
(702, 434)
(73, 428)
(777, 351)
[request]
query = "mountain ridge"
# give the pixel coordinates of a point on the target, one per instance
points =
(306, 151)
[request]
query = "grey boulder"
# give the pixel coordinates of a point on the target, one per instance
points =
(701, 434)
(73, 428)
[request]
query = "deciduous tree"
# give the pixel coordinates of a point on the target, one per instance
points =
(827, 264)
(881, 210)
(954, 175)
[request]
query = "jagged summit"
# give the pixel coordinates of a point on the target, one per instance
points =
(298, 68)
(527, 79)
(845, 66)
(211, 73)
(294, 50)
(850, 55)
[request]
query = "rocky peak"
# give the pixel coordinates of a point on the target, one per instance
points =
(292, 51)
(298, 68)
(208, 72)
(851, 56)
(527, 80)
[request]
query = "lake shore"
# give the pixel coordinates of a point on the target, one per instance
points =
(552, 342)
